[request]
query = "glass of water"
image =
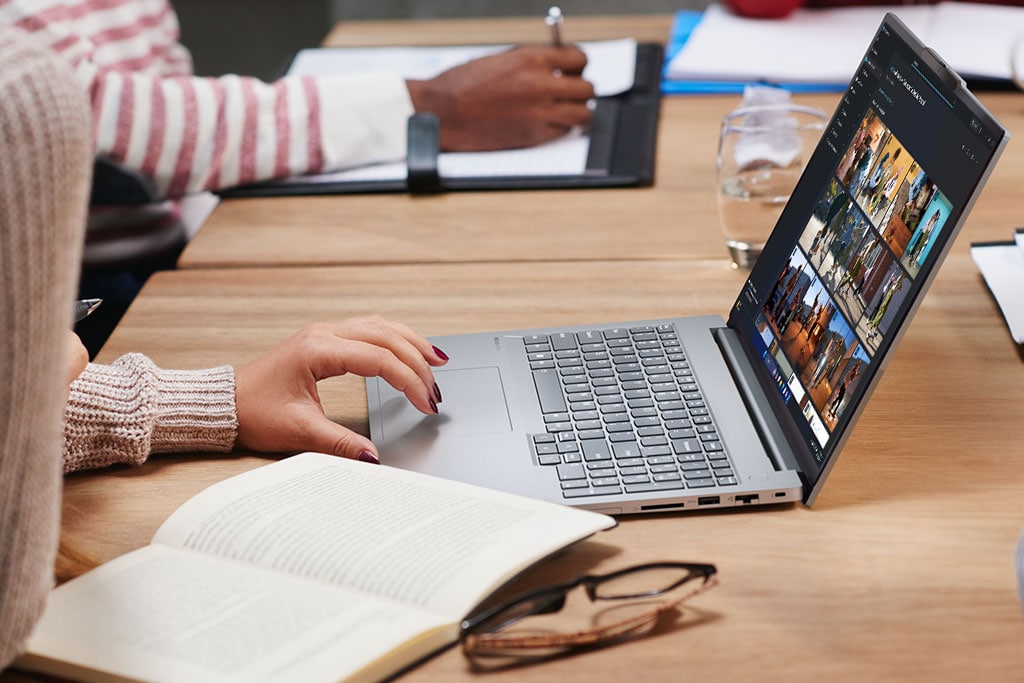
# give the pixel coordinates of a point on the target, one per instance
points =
(762, 150)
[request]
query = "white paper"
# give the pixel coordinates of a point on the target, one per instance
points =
(611, 64)
(826, 45)
(1002, 266)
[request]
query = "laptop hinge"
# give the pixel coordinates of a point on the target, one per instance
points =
(758, 407)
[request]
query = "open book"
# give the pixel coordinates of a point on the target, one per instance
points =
(313, 568)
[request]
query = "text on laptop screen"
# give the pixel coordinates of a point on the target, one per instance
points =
(872, 215)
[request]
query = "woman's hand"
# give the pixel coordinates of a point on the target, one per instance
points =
(276, 394)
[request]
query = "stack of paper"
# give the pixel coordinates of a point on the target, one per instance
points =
(819, 49)
(1002, 266)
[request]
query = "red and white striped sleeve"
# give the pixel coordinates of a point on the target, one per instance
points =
(190, 134)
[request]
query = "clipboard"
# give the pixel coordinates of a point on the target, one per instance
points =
(623, 140)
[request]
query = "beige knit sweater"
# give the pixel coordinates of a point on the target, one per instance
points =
(116, 414)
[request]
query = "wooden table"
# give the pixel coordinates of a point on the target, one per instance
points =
(903, 570)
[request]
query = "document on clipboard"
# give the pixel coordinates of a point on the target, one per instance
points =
(615, 150)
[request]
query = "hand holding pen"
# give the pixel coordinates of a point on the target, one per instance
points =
(517, 98)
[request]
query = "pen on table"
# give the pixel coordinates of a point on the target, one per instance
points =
(83, 307)
(554, 20)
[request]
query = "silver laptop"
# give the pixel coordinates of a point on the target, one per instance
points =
(700, 412)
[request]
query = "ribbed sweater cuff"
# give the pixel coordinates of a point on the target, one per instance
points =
(121, 413)
(195, 411)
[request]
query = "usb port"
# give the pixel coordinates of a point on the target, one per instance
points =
(708, 500)
(748, 498)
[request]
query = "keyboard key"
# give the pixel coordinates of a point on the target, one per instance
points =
(654, 486)
(549, 391)
(543, 438)
(632, 471)
(625, 449)
(568, 447)
(575, 484)
(699, 483)
(545, 448)
(595, 449)
(549, 459)
(596, 467)
(592, 491)
(636, 479)
(604, 481)
(686, 446)
(567, 472)
(560, 341)
(621, 437)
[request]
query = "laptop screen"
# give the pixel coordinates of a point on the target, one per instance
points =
(874, 213)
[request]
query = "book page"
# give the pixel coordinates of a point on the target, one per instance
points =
(420, 540)
(161, 613)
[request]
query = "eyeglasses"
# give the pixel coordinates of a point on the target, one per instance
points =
(639, 598)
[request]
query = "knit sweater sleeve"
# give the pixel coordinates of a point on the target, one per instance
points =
(121, 413)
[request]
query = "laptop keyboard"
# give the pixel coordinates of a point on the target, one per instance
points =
(623, 413)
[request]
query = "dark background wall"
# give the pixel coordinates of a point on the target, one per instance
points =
(256, 38)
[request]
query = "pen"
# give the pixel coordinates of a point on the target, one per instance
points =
(83, 307)
(554, 20)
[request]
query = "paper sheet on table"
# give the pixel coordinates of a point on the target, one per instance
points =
(1002, 266)
(825, 45)
(809, 46)
(611, 66)
(975, 39)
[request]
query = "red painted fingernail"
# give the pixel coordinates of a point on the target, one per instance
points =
(433, 405)
(437, 392)
(440, 354)
(367, 456)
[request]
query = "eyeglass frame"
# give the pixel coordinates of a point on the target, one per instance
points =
(590, 582)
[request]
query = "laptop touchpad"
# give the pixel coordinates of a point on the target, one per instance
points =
(474, 403)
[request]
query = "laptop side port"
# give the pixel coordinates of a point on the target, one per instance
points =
(747, 498)
(709, 500)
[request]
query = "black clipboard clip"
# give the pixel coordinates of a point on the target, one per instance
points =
(422, 148)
